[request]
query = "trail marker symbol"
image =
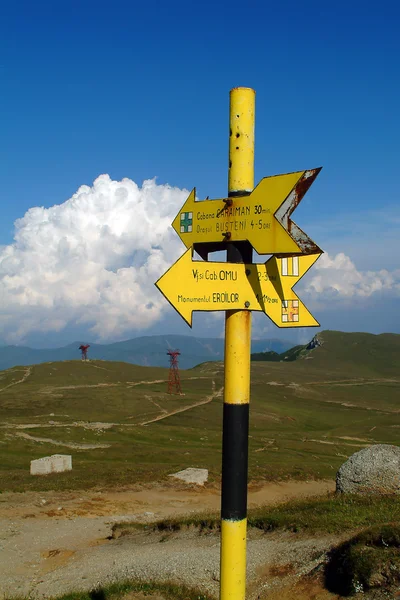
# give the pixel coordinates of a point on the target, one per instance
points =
(186, 222)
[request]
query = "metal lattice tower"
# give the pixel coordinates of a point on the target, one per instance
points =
(174, 380)
(84, 348)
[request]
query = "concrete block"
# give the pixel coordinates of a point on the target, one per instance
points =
(41, 466)
(192, 475)
(57, 463)
(62, 462)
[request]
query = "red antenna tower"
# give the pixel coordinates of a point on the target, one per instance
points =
(174, 381)
(84, 348)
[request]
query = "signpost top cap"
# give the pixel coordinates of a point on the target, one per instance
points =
(242, 89)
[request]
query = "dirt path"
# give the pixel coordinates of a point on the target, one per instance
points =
(97, 366)
(207, 400)
(134, 383)
(51, 389)
(99, 425)
(27, 372)
(358, 381)
(52, 543)
(162, 501)
(72, 445)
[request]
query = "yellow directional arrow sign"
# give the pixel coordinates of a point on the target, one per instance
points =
(207, 286)
(263, 218)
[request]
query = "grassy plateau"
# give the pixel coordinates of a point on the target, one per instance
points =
(122, 428)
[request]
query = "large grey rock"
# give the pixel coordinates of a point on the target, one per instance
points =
(374, 470)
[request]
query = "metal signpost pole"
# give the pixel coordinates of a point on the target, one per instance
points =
(237, 366)
(249, 218)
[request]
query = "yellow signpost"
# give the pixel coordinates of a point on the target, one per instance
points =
(249, 218)
(207, 286)
(262, 218)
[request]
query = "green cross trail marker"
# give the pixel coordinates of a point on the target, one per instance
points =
(186, 222)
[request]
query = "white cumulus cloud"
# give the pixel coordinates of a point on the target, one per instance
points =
(92, 260)
(338, 276)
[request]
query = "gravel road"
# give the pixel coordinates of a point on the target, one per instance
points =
(47, 551)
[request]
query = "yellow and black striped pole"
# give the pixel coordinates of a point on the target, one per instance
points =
(237, 366)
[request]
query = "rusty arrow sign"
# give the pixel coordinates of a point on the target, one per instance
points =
(263, 218)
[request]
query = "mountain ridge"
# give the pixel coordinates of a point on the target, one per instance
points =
(368, 353)
(148, 351)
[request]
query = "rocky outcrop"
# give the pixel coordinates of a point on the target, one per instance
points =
(315, 342)
(374, 470)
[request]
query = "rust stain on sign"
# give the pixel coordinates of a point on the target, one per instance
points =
(284, 212)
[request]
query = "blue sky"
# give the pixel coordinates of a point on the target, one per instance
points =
(141, 90)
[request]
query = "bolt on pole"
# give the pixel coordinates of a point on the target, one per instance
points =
(237, 365)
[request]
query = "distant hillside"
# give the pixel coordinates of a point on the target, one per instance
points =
(364, 353)
(146, 351)
(291, 354)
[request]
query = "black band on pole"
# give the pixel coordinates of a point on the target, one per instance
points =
(235, 461)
